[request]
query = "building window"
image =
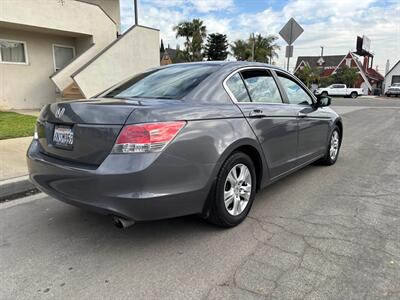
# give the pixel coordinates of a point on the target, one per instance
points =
(348, 62)
(13, 52)
(395, 79)
(62, 55)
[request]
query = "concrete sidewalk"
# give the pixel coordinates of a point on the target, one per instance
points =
(12, 157)
(13, 169)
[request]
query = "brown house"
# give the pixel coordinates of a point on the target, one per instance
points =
(170, 56)
(369, 79)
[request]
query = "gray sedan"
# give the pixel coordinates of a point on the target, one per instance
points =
(197, 138)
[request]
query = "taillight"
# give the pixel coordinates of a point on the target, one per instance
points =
(149, 137)
(35, 133)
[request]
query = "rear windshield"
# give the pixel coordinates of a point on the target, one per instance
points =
(168, 83)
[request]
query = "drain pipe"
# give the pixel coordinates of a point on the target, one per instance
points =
(122, 223)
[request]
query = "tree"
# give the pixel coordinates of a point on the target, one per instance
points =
(265, 48)
(216, 47)
(162, 49)
(307, 75)
(194, 32)
(256, 48)
(199, 34)
(240, 50)
(326, 81)
(346, 75)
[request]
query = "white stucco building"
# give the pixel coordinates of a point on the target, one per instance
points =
(52, 50)
(392, 76)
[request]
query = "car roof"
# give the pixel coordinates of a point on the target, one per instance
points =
(229, 64)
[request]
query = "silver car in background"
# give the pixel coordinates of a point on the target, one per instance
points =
(197, 138)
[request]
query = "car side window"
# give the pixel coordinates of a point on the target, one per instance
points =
(295, 93)
(237, 88)
(261, 86)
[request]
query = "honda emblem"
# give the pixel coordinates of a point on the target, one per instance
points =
(60, 111)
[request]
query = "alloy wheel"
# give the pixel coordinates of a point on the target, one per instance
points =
(237, 189)
(334, 149)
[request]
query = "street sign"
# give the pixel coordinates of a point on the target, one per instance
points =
(289, 51)
(291, 31)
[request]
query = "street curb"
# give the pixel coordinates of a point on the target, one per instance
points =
(14, 186)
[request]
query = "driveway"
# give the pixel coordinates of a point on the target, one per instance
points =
(322, 233)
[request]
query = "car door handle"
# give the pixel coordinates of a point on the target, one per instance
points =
(301, 115)
(257, 113)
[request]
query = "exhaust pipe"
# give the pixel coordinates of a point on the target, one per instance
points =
(122, 223)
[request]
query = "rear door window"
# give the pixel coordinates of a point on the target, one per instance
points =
(261, 86)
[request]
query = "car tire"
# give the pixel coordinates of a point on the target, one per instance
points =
(354, 95)
(324, 94)
(222, 212)
(334, 144)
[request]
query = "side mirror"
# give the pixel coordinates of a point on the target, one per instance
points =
(324, 101)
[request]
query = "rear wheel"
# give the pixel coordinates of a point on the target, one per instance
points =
(324, 94)
(234, 191)
(333, 148)
(354, 95)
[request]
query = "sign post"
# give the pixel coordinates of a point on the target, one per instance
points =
(290, 32)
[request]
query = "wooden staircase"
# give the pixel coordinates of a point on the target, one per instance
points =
(72, 92)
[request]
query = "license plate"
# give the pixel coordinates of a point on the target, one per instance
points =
(63, 137)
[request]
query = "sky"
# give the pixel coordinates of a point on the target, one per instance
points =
(333, 24)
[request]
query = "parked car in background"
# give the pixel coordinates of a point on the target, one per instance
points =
(340, 90)
(195, 138)
(393, 90)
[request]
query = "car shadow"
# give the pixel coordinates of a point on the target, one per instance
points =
(67, 221)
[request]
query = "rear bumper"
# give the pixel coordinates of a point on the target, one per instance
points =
(140, 187)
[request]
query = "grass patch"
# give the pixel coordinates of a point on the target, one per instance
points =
(13, 125)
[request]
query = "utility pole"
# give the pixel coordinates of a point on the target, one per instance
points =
(322, 51)
(136, 12)
(287, 65)
(252, 48)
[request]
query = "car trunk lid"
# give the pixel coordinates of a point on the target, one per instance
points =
(82, 131)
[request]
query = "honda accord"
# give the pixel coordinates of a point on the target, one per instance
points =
(196, 138)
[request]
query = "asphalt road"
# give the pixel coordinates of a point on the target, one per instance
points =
(322, 233)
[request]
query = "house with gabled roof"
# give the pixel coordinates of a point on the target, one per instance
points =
(369, 79)
(392, 76)
(170, 56)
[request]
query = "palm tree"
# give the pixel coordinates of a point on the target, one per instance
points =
(184, 29)
(271, 47)
(240, 50)
(194, 32)
(256, 48)
(265, 48)
(199, 34)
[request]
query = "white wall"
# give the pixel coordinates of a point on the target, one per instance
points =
(25, 86)
(71, 16)
(112, 8)
(136, 51)
(388, 77)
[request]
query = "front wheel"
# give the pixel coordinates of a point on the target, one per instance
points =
(234, 191)
(324, 94)
(333, 148)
